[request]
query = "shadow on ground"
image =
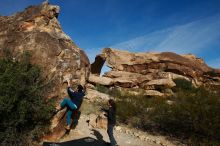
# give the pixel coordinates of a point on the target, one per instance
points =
(87, 141)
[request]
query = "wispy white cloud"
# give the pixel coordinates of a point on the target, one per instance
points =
(186, 38)
(193, 37)
(143, 43)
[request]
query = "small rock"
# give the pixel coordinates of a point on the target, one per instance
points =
(118, 128)
(90, 86)
(92, 120)
(149, 109)
(170, 102)
(136, 134)
(127, 131)
(163, 144)
(158, 142)
(141, 137)
(128, 142)
(147, 138)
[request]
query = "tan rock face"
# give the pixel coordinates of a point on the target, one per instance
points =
(101, 80)
(98, 121)
(93, 95)
(38, 31)
(162, 82)
(153, 93)
(153, 71)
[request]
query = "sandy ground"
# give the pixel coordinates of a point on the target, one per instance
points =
(85, 134)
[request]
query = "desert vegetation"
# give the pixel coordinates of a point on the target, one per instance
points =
(191, 114)
(24, 111)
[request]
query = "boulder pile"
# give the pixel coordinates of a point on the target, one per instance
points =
(153, 72)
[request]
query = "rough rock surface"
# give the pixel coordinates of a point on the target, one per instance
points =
(38, 31)
(93, 95)
(152, 71)
(100, 80)
(97, 121)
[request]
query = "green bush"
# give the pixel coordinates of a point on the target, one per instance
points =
(115, 92)
(135, 110)
(132, 110)
(194, 114)
(182, 84)
(23, 109)
(102, 89)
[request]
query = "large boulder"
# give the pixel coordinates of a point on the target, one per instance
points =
(100, 80)
(162, 82)
(94, 95)
(153, 71)
(37, 30)
(98, 121)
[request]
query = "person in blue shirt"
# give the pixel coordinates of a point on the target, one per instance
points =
(73, 103)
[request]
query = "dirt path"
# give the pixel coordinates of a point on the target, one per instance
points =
(124, 137)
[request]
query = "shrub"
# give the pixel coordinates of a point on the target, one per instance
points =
(195, 115)
(102, 89)
(23, 109)
(90, 107)
(131, 109)
(115, 92)
(182, 84)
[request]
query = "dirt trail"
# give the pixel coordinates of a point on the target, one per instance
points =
(86, 132)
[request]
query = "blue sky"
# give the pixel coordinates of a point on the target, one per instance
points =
(181, 26)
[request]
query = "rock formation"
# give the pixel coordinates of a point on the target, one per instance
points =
(38, 31)
(153, 72)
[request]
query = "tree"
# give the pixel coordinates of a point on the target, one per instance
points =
(24, 110)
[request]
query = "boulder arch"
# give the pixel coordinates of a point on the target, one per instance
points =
(97, 65)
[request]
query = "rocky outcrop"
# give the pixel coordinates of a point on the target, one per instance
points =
(153, 72)
(100, 80)
(97, 121)
(38, 31)
(94, 95)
